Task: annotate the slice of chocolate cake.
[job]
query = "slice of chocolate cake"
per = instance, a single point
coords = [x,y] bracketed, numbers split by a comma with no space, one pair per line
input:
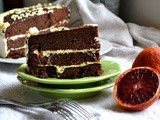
[15,23]
[64,53]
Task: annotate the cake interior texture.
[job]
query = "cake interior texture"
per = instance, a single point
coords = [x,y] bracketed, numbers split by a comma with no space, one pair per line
[65,53]
[15,23]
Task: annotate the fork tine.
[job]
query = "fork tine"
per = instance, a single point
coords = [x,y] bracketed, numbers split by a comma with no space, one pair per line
[80,110]
[75,107]
[63,112]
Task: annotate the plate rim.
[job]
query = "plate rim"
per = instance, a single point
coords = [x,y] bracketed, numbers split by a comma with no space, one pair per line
[69,91]
[81,93]
[68,81]
[108,47]
[20,60]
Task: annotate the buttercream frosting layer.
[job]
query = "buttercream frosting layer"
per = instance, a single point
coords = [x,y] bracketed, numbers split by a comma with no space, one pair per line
[61,69]
[52,52]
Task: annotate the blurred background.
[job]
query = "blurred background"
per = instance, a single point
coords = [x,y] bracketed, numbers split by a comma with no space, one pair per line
[142,12]
[1,6]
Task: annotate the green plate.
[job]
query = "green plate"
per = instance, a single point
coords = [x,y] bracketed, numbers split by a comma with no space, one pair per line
[79,93]
[110,68]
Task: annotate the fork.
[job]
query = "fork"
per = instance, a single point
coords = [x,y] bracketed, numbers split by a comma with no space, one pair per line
[66,108]
[75,108]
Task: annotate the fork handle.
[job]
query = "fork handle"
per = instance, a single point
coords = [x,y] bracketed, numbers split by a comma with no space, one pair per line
[6,101]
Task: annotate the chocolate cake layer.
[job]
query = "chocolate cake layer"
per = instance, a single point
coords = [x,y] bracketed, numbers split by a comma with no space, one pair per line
[62,59]
[58,18]
[16,53]
[13,44]
[75,72]
[79,38]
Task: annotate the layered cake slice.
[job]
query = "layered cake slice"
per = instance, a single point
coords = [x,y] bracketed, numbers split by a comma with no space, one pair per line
[64,52]
[15,23]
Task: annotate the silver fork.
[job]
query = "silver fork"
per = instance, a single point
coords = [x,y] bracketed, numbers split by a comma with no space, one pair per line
[75,108]
[66,108]
[58,109]
[51,106]
[64,113]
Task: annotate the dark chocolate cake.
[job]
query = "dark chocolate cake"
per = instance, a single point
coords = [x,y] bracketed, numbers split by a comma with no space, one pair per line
[64,52]
[15,23]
